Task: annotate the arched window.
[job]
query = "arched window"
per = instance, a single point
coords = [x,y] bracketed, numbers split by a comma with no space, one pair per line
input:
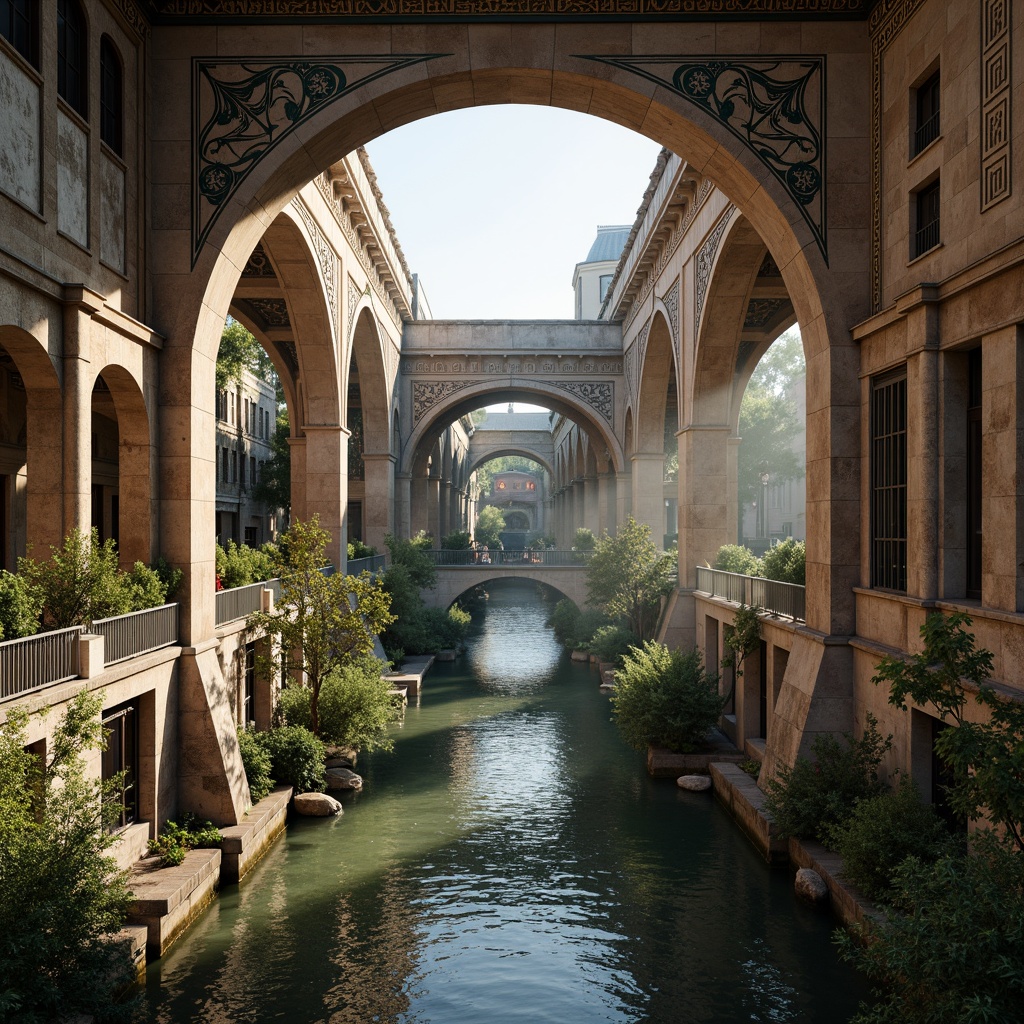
[111,96]
[72,79]
[19,25]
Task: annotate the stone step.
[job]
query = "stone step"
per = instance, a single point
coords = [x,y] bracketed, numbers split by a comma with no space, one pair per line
[243,844]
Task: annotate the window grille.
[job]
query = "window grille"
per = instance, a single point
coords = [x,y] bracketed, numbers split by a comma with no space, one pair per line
[927,235]
[72,80]
[111,97]
[120,726]
[889,482]
[19,25]
[926,130]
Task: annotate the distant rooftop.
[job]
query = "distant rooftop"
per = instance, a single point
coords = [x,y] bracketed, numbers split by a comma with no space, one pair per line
[609,242]
[515,421]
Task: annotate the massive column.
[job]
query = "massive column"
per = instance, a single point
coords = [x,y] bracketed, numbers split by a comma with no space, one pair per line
[327,485]
[403,505]
[649,492]
[704,497]
[379,497]
[606,502]
[77,415]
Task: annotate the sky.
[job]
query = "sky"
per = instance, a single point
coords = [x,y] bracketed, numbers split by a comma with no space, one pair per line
[494,206]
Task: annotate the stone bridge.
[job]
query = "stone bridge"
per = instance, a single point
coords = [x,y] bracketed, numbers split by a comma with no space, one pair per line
[455,580]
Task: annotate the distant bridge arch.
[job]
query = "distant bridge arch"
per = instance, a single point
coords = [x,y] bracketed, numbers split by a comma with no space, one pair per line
[454,581]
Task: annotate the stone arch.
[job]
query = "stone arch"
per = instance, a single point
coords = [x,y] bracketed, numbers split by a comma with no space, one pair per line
[499,453]
[32,491]
[625,88]
[136,463]
[373,383]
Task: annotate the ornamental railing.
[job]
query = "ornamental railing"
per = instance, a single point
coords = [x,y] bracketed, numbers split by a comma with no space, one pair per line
[524,557]
[34,661]
[372,563]
[239,602]
[770,595]
[127,636]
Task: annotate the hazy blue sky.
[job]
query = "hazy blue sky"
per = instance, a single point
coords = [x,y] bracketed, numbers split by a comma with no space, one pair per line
[494,206]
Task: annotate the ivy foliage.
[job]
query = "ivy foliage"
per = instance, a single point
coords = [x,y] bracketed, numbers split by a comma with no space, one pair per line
[986,758]
[665,698]
[61,895]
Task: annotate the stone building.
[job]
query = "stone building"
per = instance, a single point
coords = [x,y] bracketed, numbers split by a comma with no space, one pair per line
[168,163]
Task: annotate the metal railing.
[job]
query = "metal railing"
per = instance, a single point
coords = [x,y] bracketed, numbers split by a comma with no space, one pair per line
[770,595]
[34,661]
[239,602]
[372,563]
[127,636]
[525,557]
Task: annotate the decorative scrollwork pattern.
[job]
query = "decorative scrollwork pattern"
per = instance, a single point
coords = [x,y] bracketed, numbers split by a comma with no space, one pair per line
[705,263]
[243,108]
[774,106]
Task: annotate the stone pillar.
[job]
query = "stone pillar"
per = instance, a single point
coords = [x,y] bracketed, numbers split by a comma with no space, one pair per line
[44,446]
[78,383]
[403,505]
[419,514]
[1002,461]
[434,509]
[923,474]
[379,498]
[297,447]
[606,503]
[732,489]
[623,498]
[327,485]
[703,498]
[591,505]
[649,492]
[455,515]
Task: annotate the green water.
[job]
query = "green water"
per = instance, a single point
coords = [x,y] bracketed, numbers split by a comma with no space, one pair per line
[509,862]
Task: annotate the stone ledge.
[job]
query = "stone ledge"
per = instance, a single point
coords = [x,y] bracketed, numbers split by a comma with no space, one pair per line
[243,844]
[849,905]
[664,764]
[169,899]
[738,792]
[411,673]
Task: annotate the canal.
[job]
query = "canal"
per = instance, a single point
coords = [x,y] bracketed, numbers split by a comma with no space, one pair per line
[510,861]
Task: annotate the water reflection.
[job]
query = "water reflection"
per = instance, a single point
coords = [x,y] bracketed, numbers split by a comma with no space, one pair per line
[509,862]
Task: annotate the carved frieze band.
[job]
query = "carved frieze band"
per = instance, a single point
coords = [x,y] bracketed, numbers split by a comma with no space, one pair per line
[242,108]
[671,302]
[448,10]
[887,21]
[995,102]
[326,257]
[775,107]
[705,264]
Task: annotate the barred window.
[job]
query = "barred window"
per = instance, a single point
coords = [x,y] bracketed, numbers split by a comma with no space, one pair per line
[19,25]
[974,489]
[72,80]
[889,482]
[111,97]
[926,129]
[927,208]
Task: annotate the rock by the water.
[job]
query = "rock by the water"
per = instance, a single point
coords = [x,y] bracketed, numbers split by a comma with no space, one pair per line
[339,762]
[694,783]
[810,886]
[607,686]
[343,778]
[445,654]
[580,656]
[316,805]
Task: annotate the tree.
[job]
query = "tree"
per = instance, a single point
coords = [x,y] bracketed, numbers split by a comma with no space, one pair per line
[489,525]
[627,577]
[769,425]
[328,620]
[61,896]
[986,758]
[274,487]
[240,351]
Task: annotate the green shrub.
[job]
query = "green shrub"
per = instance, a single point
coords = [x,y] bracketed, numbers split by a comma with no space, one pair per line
[737,558]
[357,549]
[881,832]
[256,762]
[19,607]
[812,796]
[584,540]
[356,707]
[612,643]
[457,540]
[296,756]
[563,619]
[952,948]
[665,698]
[175,840]
[409,554]
[171,577]
[146,588]
[785,562]
[238,565]
[292,708]
[589,622]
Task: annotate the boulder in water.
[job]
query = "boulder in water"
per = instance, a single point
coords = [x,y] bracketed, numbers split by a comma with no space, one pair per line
[694,783]
[343,778]
[316,805]
[810,886]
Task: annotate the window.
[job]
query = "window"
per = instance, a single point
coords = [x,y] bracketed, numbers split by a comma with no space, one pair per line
[974,473]
[121,728]
[19,25]
[252,470]
[72,80]
[111,97]
[604,282]
[926,126]
[889,482]
[927,206]
[224,473]
[248,715]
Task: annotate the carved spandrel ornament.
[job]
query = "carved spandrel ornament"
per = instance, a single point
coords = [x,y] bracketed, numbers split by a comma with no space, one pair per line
[775,106]
[705,264]
[241,109]
[326,257]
